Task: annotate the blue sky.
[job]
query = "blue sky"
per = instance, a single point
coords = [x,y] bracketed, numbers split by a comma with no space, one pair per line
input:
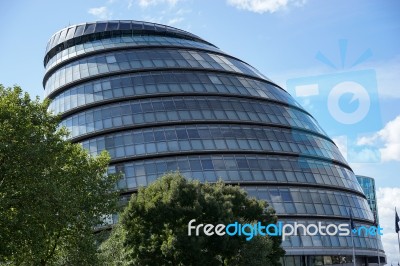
[282,39]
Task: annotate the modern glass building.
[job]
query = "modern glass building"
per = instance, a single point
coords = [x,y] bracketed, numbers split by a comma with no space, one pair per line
[368,186]
[161,99]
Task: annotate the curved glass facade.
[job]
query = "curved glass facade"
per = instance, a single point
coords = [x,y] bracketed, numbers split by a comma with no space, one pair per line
[160,99]
[123,42]
[199,138]
[185,109]
[165,82]
[255,168]
[147,58]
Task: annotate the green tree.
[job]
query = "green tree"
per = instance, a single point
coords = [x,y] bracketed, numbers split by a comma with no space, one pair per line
[52,193]
[153,229]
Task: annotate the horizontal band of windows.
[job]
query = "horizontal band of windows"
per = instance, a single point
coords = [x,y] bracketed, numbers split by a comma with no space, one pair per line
[294,255]
[50,71]
[239,169]
[211,137]
[310,201]
[167,147]
[88,48]
[136,121]
[79,109]
[280,199]
[128,190]
[296,184]
[108,63]
[325,219]
[88,136]
[115,33]
[82,81]
[141,85]
[166,154]
[108,29]
[179,109]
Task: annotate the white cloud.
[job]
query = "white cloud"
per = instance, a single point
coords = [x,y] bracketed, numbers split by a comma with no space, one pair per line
[341,143]
[130,4]
[171,16]
[363,155]
[100,12]
[367,140]
[387,75]
[355,154]
[263,6]
[388,198]
[175,21]
[159,19]
[146,3]
[383,145]
[387,140]
[182,11]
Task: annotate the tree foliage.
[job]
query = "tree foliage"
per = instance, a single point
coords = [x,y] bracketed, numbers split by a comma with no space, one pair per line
[52,193]
[153,229]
